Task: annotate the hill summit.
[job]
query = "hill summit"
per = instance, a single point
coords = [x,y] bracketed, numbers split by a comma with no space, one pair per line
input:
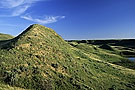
[40,59]
[35,58]
[36,35]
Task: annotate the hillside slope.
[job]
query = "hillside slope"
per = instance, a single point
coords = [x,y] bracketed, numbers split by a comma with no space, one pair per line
[5,36]
[40,59]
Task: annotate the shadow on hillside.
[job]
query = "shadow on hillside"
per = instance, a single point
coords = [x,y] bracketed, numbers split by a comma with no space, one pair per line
[126,63]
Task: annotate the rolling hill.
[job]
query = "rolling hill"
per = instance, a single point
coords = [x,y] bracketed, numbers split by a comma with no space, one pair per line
[5,36]
[39,59]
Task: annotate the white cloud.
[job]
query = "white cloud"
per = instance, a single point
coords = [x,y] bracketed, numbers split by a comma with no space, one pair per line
[20,10]
[10,3]
[45,20]
[15,3]
[18,6]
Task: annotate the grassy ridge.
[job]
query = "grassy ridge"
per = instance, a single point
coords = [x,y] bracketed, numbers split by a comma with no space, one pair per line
[40,59]
[5,36]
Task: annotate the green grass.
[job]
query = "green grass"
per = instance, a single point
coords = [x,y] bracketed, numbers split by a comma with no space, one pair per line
[108,53]
[39,59]
[5,36]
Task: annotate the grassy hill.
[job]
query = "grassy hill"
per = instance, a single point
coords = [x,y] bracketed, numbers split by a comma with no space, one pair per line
[5,36]
[39,59]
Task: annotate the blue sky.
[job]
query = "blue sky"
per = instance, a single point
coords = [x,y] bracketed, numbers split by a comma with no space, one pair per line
[71,19]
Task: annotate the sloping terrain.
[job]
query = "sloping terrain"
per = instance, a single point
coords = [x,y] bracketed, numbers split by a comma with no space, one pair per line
[5,36]
[39,59]
[113,51]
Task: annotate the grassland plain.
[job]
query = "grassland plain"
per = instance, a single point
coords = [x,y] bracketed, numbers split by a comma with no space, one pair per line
[39,59]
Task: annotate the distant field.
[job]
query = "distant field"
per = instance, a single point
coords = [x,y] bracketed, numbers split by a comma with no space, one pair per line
[5,36]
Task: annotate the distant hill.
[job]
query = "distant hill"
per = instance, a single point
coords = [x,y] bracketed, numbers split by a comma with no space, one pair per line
[5,36]
[115,42]
[39,59]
